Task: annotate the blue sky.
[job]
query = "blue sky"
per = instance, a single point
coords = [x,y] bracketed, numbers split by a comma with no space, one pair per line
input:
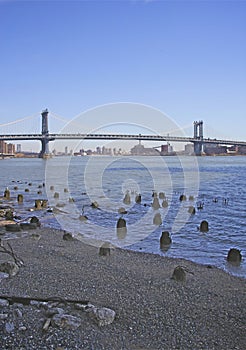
[186,58]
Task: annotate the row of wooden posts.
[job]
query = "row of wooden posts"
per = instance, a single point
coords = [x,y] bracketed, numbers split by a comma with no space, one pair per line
[234,255]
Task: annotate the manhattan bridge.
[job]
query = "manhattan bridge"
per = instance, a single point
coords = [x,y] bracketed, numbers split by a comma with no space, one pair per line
[45,137]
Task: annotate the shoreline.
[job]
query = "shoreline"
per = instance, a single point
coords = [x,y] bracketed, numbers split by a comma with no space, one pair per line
[153,311]
[177,154]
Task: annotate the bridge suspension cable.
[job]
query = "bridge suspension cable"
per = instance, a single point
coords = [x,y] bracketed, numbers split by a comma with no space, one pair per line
[178,129]
[19,120]
[75,122]
[69,124]
[57,117]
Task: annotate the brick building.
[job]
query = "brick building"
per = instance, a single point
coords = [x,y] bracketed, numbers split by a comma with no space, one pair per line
[7,148]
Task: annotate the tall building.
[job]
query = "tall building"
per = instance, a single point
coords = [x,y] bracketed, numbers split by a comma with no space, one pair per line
[18,148]
[11,148]
[3,147]
[98,150]
[7,148]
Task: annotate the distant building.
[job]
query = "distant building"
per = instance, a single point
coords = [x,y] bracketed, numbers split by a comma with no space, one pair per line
[232,150]
[140,150]
[242,150]
[18,148]
[214,149]
[89,152]
[106,151]
[11,148]
[3,147]
[7,148]
[81,152]
[189,149]
[166,149]
[98,150]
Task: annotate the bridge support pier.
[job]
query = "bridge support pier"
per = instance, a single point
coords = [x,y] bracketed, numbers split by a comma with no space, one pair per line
[45,153]
[198,148]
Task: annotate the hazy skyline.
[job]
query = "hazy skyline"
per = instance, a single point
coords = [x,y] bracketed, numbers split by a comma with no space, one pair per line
[186,59]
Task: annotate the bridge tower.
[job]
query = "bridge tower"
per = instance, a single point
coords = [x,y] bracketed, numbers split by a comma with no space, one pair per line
[45,153]
[198,137]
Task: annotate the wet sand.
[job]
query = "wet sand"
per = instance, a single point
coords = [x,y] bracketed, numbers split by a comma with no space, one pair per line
[153,311]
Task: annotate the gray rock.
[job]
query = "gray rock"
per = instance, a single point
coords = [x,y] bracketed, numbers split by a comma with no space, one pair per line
[68,237]
[66,321]
[87,308]
[46,324]
[4,302]
[39,304]
[3,275]
[9,215]
[12,227]
[102,316]
[9,327]
[36,236]
[179,274]
[3,316]
[54,311]
[18,313]
[28,226]
[9,267]
[35,220]
[82,307]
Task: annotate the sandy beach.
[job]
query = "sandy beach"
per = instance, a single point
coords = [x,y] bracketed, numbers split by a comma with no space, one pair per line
[152,310]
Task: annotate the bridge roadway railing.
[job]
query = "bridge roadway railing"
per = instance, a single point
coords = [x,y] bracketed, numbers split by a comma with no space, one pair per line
[78,136]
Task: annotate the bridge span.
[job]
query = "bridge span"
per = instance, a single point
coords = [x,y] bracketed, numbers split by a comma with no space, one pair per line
[45,137]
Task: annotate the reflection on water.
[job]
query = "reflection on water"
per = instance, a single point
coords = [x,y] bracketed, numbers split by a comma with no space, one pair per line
[105,180]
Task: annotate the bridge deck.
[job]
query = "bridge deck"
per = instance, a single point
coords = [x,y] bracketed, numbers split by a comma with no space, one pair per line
[78,136]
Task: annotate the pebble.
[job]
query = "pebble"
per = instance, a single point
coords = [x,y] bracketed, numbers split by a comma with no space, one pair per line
[3,316]
[4,302]
[66,321]
[18,313]
[9,327]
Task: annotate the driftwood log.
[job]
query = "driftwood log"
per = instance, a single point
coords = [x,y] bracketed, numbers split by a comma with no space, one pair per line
[27,300]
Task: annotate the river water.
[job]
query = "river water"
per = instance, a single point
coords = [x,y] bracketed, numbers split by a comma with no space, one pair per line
[216,183]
